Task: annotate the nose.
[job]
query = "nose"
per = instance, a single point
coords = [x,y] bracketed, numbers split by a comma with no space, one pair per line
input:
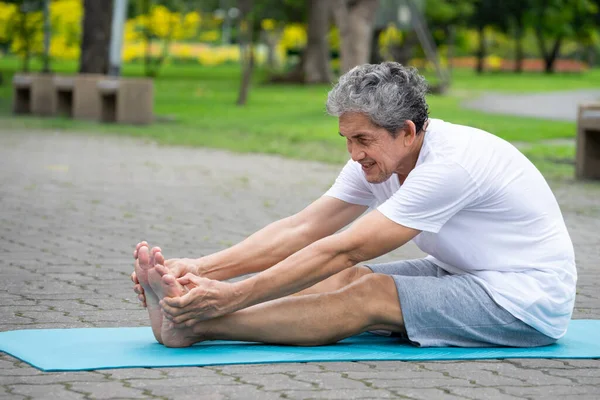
[356,153]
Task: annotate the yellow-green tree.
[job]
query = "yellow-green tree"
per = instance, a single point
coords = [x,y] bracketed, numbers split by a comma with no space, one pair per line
[158,23]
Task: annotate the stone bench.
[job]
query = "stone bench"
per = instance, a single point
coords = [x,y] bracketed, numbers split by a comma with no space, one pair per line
[128,101]
[587,160]
[92,97]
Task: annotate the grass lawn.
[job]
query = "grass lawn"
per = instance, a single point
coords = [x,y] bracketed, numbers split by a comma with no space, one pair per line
[197,106]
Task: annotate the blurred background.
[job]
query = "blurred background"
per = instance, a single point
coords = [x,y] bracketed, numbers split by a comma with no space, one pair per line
[253,75]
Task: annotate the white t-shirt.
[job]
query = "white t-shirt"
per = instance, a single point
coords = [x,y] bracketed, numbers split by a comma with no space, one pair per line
[483,209]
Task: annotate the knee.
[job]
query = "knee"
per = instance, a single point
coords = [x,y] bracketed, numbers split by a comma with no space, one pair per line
[353,274]
[377,295]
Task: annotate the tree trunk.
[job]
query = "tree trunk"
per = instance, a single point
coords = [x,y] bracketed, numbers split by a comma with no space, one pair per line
[519,47]
[548,56]
[316,55]
[481,52]
[46,57]
[451,45]
[549,61]
[246,49]
[95,42]
[376,57]
[355,19]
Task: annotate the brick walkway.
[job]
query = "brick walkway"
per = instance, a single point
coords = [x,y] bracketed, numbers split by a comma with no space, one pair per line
[72,208]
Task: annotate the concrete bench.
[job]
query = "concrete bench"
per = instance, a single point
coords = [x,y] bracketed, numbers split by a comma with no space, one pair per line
[34,94]
[86,96]
[587,160]
[127,101]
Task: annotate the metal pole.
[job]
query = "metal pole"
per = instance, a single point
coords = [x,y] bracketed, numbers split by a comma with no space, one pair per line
[116,37]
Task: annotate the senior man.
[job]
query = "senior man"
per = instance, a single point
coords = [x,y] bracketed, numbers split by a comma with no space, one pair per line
[500,268]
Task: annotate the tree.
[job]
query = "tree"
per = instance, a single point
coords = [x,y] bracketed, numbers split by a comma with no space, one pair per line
[163,22]
[486,13]
[315,66]
[246,48]
[95,44]
[517,19]
[444,17]
[355,19]
[556,20]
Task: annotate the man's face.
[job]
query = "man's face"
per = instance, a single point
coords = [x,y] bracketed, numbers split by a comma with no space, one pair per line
[373,147]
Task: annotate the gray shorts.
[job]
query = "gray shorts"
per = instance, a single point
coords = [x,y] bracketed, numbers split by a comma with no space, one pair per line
[441,309]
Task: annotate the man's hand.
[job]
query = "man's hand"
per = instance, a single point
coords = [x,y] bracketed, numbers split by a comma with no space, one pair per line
[208,299]
[178,267]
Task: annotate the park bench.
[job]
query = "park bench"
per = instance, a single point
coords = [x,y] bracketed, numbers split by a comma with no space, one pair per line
[128,101]
[34,94]
[93,97]
[587,160]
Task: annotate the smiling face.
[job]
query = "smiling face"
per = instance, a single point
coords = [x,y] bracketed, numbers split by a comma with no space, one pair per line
[376,150]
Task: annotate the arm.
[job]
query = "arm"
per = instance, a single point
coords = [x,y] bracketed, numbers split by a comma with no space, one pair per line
[280,239]
[370,237]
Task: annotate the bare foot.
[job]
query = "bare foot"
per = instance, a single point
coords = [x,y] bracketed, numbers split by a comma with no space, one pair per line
[165,285]
[143,267]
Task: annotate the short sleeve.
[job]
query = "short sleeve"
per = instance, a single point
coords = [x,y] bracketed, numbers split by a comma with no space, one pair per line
[431,195]
[351,187]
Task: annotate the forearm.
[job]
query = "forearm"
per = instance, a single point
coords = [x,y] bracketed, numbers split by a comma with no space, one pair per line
[258,252]
[297,272]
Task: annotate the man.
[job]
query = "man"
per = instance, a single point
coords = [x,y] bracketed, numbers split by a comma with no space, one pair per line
[500,269]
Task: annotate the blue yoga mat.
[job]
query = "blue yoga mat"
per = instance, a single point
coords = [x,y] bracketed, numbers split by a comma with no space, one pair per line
[102,348]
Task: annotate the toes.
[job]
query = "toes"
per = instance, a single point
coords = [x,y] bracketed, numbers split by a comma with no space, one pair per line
[134,278]
[158,257]
[155,249]
[161,269]
[169,280]
[137,248]
[144,258]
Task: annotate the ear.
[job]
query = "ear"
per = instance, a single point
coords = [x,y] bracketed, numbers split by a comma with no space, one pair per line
[410,133]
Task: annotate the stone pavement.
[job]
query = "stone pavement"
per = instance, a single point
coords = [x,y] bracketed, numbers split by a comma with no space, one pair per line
[73,207]
[561,105]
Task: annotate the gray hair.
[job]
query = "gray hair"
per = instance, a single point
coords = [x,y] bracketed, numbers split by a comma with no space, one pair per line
[388,93]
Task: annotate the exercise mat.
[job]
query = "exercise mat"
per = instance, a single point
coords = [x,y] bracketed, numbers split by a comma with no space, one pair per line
[102,348]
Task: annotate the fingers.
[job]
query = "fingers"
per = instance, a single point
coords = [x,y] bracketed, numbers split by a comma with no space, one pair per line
[182,319]
[190,278]
[173,305]
[138,289]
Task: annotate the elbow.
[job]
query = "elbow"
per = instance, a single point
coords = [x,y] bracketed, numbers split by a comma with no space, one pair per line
[339,247]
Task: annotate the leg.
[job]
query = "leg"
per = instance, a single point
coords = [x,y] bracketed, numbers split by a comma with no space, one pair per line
[369,303]
[337,281]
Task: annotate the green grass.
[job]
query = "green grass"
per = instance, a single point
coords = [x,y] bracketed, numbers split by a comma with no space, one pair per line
[197,108]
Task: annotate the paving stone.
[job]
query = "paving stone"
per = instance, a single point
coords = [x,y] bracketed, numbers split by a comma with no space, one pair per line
[268,368]
[273,382]
[239,391]
[419,383]
[427,394]
[482,393]
[344,366]
[329,380]
[133,373]
[339,394]
[45,392]
[396,375]
[106,390]
[555,390]
[49,378]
